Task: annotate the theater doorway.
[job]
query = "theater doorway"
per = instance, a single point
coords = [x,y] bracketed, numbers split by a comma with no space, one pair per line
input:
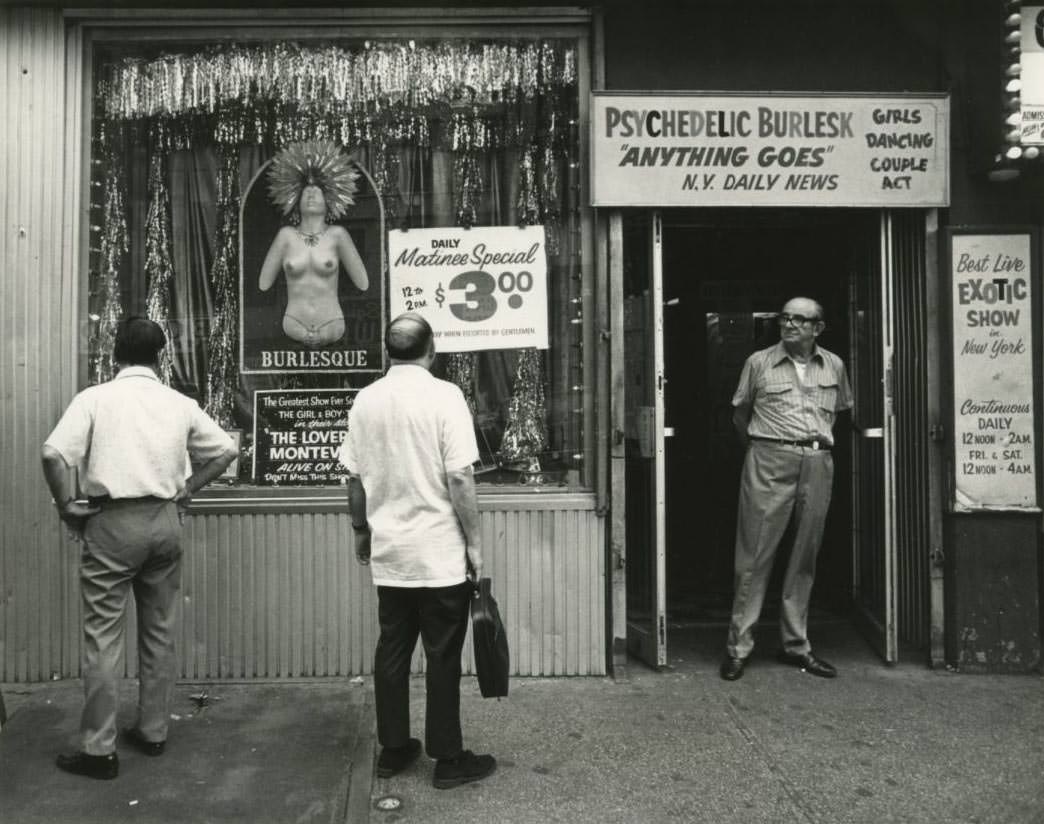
[701,291]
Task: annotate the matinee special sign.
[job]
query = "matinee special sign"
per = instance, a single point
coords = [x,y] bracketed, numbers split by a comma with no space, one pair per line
[773,150]
[994,451]
[479,288]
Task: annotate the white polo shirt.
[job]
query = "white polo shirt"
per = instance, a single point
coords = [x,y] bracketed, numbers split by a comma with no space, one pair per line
[405,432]
[132,436]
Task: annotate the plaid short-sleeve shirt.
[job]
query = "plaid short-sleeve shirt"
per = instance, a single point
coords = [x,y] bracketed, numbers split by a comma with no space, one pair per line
[783,406]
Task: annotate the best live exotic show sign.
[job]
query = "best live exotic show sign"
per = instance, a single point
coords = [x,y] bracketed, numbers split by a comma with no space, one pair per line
[297,433]
[994,463]
[772,150]
[479,288]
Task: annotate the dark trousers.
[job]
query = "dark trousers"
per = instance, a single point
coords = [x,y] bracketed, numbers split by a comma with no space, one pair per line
[440,616]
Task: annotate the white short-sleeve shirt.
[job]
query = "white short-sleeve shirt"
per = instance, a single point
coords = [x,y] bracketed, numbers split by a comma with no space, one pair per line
[133,437]
[406,431]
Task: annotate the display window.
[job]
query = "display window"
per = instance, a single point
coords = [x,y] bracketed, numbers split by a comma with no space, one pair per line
[272,203]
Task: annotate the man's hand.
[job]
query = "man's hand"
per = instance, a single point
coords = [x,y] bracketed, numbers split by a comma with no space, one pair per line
[74,515]
[474,564]
[362,547]
[182,498]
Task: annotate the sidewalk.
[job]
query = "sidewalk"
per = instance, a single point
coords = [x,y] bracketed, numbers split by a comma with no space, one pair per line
[267,753]
[878,744]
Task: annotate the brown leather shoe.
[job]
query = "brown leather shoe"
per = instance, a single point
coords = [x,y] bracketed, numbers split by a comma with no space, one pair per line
[133,736]
[732,668]
[92,766]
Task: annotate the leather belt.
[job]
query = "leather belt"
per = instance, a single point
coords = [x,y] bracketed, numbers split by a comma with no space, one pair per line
[815,444]
[105,500]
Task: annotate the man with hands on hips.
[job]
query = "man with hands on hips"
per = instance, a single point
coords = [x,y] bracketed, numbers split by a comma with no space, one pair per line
[411,494]
[784,411]
[144,449]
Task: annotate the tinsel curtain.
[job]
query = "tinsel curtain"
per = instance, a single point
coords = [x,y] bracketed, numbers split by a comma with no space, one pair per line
[110,254]
[525,435]
[159,270]
[223,379]
[333,83]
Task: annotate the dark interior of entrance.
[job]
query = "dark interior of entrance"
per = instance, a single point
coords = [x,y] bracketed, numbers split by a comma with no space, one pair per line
[725,276]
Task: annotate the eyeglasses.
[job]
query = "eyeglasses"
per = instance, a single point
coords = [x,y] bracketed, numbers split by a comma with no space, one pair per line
[795,320]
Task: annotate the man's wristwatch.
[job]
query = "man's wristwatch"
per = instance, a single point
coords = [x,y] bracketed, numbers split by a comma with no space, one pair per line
[363,528]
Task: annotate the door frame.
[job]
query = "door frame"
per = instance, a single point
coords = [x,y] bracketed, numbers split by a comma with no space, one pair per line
[646,639]
[882,632]
[613,248]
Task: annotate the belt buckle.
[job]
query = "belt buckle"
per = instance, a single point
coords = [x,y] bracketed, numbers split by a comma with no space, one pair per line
[815,444]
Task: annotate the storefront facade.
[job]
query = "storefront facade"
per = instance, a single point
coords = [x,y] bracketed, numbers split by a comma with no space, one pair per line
[142,177]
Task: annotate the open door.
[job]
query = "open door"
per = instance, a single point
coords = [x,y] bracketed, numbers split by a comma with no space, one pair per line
[644,439]
[871,294]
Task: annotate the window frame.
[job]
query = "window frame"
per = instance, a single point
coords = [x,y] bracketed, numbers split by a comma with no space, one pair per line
[93,27]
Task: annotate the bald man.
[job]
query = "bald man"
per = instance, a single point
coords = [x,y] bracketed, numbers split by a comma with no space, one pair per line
[411,492]
[784,411]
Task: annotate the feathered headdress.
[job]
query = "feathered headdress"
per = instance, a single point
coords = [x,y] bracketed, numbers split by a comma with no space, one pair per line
[321,163]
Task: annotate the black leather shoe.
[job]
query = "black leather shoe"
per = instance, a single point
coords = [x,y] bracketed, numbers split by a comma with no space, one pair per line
[394,760]
[92,766]
[133,736]
[809,663]
[452,772]
[732,668]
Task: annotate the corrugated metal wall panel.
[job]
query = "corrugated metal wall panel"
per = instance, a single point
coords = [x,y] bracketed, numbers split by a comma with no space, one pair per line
[281,596]
[34,339]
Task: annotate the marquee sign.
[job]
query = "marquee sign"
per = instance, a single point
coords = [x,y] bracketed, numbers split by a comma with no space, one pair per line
[689,149]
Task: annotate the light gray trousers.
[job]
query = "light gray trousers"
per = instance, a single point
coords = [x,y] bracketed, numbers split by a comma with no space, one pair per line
[778,482]
[132,543]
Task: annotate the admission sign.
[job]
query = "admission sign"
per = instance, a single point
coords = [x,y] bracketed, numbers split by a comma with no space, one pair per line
[775,150]
[479,288]
[1031,58]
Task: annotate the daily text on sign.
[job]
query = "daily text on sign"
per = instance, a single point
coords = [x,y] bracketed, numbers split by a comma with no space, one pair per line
[479,288]
[703,150]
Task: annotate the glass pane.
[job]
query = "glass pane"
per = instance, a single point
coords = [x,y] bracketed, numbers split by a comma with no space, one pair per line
[190,197]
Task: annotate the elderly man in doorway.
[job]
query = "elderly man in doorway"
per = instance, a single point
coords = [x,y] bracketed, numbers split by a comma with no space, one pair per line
[785,407]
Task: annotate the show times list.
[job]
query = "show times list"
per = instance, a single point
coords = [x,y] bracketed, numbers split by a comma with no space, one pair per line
[297,434]
[996,447]
[993,403]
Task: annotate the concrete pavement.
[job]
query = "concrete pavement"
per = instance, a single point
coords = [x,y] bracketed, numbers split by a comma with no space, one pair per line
[266,753]
[878,744]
